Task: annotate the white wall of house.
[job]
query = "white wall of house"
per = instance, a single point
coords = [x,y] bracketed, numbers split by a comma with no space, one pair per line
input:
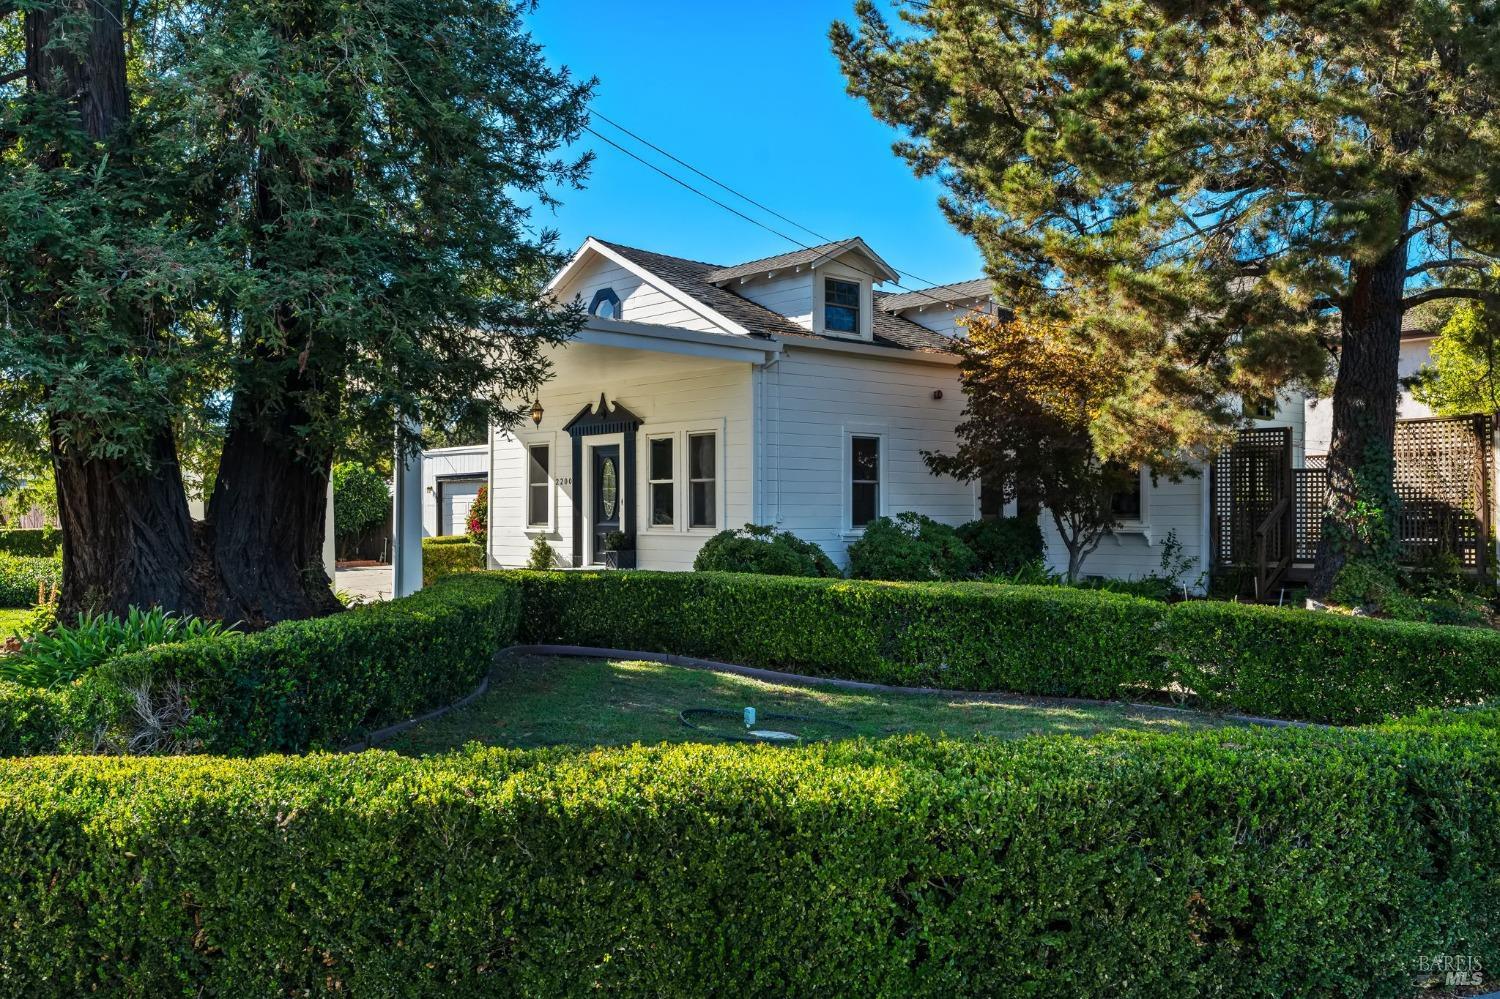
[1414,354]
[788,294]
[942,319]
[640,301]
[813,400]
[674,396]
[449,479]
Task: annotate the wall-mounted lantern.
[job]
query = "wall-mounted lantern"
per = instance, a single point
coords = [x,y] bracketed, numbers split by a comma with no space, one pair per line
[536,412]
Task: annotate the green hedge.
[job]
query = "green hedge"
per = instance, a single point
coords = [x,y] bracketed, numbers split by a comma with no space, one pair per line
[1027,639]
[32,720]
[449,554]
[41,541]
[307,684]
[975,636]
[22,575]
[1228,863]
[1326,667]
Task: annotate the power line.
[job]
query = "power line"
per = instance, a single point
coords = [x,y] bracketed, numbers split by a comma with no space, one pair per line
[744,197]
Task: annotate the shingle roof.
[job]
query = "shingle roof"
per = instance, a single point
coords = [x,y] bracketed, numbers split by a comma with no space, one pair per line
[959,291]
[695,278]
[776,263]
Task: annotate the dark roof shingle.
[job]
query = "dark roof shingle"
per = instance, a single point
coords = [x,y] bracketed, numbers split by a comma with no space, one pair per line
[694,277]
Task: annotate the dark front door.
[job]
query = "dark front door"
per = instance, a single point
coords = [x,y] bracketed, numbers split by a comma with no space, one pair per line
[608,488]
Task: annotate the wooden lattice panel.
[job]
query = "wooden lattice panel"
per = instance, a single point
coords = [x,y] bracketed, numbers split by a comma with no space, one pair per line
[1249,479]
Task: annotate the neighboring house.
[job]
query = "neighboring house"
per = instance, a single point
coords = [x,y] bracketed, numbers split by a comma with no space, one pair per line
[1416,351]
[451,477]
[792,391]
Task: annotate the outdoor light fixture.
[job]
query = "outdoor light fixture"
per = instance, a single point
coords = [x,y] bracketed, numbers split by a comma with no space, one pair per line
[536,412]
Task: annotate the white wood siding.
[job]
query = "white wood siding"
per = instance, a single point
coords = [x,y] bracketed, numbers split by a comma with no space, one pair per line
[640,302]
[1319,412]
[940,319]
[442,462]
[670,394]
[788,294]
[814,399]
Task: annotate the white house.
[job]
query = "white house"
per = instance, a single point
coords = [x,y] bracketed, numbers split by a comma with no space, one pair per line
[699,397]
[792,391]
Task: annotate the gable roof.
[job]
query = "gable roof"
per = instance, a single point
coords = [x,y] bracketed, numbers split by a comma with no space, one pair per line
[810,256]
[694,277]
[939,294]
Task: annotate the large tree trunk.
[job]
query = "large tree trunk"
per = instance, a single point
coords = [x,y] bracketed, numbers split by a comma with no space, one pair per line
[127,535]
[268,510]
[1360,516]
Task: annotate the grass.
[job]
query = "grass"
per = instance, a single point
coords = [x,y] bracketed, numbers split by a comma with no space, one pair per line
[542,701]
[10,620]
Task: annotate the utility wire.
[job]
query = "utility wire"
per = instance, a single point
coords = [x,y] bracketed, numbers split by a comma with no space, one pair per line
[744,197]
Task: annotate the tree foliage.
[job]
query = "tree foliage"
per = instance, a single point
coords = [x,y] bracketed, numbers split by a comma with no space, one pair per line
[1464,374]
[361,498]
[1034,393]
[1212,197]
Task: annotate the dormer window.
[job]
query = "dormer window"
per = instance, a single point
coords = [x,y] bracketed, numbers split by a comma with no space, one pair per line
[840,306]
[606,304]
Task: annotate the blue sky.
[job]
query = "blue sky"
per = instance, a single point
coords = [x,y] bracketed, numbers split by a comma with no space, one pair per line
[750,94]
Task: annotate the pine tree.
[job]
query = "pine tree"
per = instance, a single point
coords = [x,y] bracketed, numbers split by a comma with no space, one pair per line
[1216,198]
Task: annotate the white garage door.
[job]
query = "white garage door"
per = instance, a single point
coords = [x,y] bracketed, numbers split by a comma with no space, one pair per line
[453,511]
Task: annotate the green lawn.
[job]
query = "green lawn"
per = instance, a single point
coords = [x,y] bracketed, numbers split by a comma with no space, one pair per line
[536,701]
[10,620]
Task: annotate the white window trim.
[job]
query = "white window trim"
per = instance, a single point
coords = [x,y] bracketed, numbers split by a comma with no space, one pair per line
[1142,524]
[527,441]
[681,494]
[866,305]
[846,485]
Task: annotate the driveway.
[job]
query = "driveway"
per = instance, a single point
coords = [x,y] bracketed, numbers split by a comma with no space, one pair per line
[370,583]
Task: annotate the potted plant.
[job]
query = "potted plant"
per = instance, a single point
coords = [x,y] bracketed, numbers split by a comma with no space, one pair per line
[619,551]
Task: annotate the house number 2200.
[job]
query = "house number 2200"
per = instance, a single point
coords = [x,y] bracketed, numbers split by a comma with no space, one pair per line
[565,480]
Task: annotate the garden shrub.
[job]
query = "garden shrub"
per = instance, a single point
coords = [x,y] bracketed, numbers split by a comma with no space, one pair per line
[361,498]
[447,555]
[973,636]
[36,542]
[308,684]
[1004,545]
[1225,863]
[542,556]
[912,547]
[32,719]
[765,550]
[22,577]
[62,653]
[1326,667]
[478,523]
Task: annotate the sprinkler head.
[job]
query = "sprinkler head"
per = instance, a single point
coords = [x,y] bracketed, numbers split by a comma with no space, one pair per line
[749,717]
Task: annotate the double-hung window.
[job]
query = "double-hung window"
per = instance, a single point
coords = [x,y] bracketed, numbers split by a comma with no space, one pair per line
[840,306]
[662,480]
[538,485]
[703,476]
[864,480]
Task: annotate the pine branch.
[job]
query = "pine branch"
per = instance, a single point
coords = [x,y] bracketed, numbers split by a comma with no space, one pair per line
[1434,294]
[12,77]
[1450,262]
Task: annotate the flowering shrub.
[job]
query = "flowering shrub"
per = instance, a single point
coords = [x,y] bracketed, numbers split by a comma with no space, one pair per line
[479,517]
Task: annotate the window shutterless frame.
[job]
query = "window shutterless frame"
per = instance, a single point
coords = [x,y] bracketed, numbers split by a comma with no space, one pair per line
[841,306]
[661,480]
[538,485]
[703,480]
[864,479]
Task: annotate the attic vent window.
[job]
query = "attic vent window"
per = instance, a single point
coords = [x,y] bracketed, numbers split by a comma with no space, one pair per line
[840,306]
[606,304]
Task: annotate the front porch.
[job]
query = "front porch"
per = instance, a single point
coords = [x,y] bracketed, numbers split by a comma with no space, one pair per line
[1267,507]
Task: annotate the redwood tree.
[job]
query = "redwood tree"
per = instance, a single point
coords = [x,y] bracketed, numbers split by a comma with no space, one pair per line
[337,201]
[1216,198]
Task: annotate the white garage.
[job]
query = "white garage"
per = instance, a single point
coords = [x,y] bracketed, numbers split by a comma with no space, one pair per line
[451,478]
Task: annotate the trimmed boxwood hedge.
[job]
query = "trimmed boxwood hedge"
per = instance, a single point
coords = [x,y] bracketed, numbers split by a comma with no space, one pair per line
[37,542]
[1326,667]
[1229,863]
[1027,639]
[310,684]
[449,554]
[973,636]
[22,575]
[32,720]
